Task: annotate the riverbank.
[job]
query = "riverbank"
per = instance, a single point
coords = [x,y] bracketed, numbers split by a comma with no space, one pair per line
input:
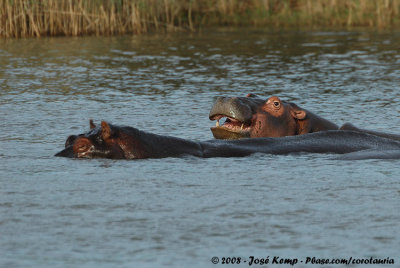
[21,18]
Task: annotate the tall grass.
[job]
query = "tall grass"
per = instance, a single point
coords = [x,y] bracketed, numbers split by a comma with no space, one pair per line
[25,18]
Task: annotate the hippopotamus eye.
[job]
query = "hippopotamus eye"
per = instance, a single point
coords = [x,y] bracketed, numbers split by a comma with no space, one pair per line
[277,104]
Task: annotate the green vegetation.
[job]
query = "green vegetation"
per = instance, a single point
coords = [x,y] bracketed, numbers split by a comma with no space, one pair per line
[25,18]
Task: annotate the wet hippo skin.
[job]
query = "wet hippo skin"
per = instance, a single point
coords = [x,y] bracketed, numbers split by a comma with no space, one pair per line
[351,127]
[121,142]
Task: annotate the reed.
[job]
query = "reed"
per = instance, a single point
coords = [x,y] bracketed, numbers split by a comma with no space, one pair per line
[27,18]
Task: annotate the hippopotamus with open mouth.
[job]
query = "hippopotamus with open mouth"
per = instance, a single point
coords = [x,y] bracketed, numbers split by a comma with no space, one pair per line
[253,117]
[120,142]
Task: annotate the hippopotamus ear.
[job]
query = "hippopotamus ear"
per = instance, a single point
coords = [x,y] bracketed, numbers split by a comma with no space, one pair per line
[105,130]
[297,112]
[92,125]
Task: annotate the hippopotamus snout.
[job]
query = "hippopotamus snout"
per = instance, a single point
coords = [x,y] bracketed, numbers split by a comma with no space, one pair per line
[67,152]
[237,108]
[238,112]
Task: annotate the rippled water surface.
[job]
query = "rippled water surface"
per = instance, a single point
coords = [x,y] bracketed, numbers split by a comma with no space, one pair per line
[180,212]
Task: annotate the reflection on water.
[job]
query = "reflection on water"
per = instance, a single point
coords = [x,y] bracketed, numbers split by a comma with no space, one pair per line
[62,212]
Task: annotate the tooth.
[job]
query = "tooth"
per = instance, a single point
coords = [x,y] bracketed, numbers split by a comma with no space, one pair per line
[217,123]
[241,128]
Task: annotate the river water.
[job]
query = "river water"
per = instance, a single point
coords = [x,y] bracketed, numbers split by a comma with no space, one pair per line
[181,212]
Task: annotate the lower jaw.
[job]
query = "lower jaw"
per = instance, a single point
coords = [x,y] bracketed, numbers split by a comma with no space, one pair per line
[228,134]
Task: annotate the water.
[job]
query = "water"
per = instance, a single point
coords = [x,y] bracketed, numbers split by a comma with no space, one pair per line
[180,212]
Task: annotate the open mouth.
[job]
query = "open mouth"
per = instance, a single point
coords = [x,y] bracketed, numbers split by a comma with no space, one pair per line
[231,123]
[230,128]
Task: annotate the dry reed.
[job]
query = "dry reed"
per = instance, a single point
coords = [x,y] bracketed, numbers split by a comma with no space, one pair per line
[26,18]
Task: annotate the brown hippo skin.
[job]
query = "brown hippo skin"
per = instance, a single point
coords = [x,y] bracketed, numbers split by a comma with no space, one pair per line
[121,142]
[253,117]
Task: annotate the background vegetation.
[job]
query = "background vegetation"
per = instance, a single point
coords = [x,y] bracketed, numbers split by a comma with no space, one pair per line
[25,18]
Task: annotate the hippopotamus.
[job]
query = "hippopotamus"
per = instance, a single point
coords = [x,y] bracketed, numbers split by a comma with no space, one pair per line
[253,117]
[122,142]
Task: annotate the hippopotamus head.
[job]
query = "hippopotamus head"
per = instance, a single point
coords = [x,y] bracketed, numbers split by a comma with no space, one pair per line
[103,141]
[254,117]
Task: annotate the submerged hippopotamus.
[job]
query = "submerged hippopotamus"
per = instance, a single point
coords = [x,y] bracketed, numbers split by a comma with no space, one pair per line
[120,142]
[253,117]
[351,127]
